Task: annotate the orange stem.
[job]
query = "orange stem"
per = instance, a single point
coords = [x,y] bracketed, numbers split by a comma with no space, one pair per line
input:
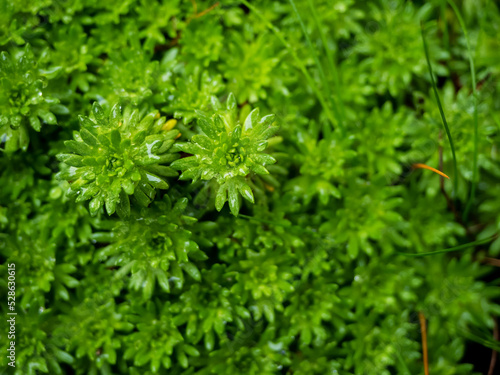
[423,166]
[206,10]
[198,15]
[423,329]
[492,261]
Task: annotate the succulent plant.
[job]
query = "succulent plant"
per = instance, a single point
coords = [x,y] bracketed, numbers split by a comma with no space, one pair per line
[342,237]
[228,152]
[117,155]
[24,100]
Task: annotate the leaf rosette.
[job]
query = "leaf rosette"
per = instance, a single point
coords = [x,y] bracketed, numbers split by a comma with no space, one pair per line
[228,151]
[24,98]
[115,156]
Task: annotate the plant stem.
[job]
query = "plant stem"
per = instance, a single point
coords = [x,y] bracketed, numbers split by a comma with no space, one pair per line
[475,171]
[449,250]
[299,62]
[443,118]
[423,330]
[493,360]
[446,34]
[319,66]
[331,59]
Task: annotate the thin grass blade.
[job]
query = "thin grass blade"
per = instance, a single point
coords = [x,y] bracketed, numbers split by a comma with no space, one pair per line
[475,169]
[443,117]
[451,249]
[318,65]
[299,62]
[330,58]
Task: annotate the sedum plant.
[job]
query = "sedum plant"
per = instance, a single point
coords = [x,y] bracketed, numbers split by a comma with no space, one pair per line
[117,155]
[24,100]
[192,92]
[129,75]
[330,132]
[155,250]
[394,70]
[228,151]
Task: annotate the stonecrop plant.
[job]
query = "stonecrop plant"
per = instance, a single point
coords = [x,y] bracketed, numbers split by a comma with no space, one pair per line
[249,187]
[24,99]
[117,155]
[228,151]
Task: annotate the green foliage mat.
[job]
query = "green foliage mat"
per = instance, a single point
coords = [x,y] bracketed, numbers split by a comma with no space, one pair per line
[201,187]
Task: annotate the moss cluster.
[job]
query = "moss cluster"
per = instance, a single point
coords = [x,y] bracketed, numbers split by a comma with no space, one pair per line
[126,126]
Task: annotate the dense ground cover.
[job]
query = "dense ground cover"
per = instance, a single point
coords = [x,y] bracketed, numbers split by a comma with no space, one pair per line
[201,187]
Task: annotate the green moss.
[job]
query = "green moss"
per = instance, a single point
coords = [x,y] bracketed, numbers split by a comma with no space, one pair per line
[126,126]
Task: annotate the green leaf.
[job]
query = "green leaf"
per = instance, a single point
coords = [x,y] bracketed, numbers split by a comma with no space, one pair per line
[209,340]
[147,121]
[161,276]
[98,112]
[142,198]
[123,207]
[95,205]
[111,200]
[79,147]
[221,197]
[35,123]
[162,170]
[191,350]
[154,180]
[116,138]
[88,124]
[71,159]
[115,115]
[206,125]
[47,117]
[191,270]
[184,163]
[233,198]
[231,103]
[139,137]
[259,169]
[87,192]
[246,192]
[88,137]
[251,120]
